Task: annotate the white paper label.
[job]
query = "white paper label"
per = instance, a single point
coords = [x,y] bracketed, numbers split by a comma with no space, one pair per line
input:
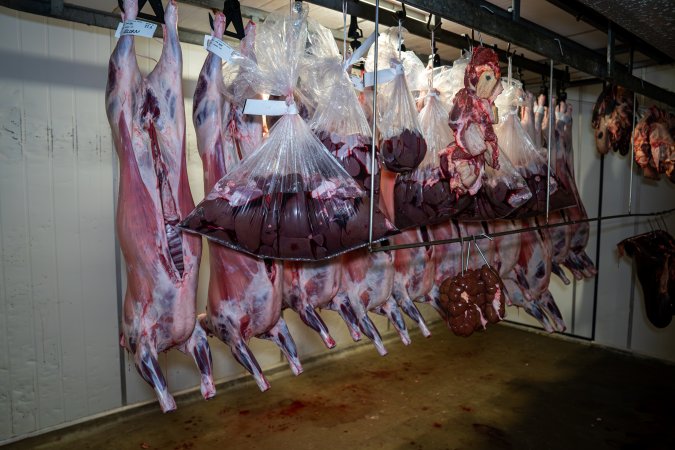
[360,52]
[136,27]
[219,48]
[269,107]
[383,76]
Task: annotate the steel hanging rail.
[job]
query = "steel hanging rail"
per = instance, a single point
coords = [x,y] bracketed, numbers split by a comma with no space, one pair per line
[383,248]
[492,20]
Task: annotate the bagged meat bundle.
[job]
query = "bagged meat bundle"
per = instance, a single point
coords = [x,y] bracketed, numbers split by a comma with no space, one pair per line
[401,143]
[503,191]
[654,144]
[473,299]
[515,143]
[612,119]
[423,196]
[450,80]
[289,199]
[340,123]
[471,118]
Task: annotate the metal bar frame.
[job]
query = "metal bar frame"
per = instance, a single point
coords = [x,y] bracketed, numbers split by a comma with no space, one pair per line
[382,248]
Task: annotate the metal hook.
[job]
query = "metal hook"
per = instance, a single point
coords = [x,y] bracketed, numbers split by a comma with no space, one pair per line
[435,27]
[480,251]
[468,253]
[488,9]
[480,38]
[469,41]
[461,253]
[560,46]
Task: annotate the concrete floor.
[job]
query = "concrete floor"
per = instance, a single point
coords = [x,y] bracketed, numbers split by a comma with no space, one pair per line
[501,389]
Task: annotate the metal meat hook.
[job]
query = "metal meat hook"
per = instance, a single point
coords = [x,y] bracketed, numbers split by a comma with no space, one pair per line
[232,12]
[157,8]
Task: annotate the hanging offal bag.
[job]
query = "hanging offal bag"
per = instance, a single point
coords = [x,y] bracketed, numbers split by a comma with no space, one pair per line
[340,123]
[289,199]
[515,143]
[423,196]
[401,143]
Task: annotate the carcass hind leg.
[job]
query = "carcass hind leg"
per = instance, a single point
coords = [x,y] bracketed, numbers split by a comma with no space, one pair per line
[547,303]
[243,354]
[390,310]
[198,347]
[309,316]
[432,298]
[147,365]
[557,270]
[411,311]
[341,305]
[368,328]
[280,335]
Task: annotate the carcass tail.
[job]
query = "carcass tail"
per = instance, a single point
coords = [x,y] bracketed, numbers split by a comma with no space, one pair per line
[280,335]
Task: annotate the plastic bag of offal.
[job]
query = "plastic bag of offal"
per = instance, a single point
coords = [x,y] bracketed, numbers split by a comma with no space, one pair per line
[290,199]
[423,196]
[515,143]
[340,124]
[401,143]
[503,191]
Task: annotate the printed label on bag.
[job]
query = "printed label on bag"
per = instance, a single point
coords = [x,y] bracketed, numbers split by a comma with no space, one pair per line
[135,27]
[258,107]
[219,48]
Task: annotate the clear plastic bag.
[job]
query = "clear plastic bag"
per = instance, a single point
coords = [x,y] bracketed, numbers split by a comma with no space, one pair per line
[449,80]
[515,143]
[401,143]
[423,196]
[503,191]
[289,199]
[341,125]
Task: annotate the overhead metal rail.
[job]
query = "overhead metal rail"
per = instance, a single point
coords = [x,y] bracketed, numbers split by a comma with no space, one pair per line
[57,9]
[492,20]
[600,22]
[476,14]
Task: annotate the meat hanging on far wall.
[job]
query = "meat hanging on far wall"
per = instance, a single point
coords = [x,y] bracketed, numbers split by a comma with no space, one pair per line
[612,119]
[147,118]
[654,256]
[655,144]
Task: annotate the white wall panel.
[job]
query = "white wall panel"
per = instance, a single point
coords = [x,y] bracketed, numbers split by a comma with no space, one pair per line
[57,246]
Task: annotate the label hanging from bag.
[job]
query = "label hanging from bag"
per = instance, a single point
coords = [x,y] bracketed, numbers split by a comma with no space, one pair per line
[135,27]
[219,48]
[360,52]
[258,107]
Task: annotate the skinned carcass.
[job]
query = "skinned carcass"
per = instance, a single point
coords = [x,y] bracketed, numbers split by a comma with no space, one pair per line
[245,293]
[612,119]
[147,119]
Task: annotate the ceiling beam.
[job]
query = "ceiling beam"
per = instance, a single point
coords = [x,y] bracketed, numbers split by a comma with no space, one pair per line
[492,20]
[600,22]
[366,11]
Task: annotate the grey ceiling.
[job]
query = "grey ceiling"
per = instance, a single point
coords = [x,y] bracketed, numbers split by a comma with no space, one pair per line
[651,20]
